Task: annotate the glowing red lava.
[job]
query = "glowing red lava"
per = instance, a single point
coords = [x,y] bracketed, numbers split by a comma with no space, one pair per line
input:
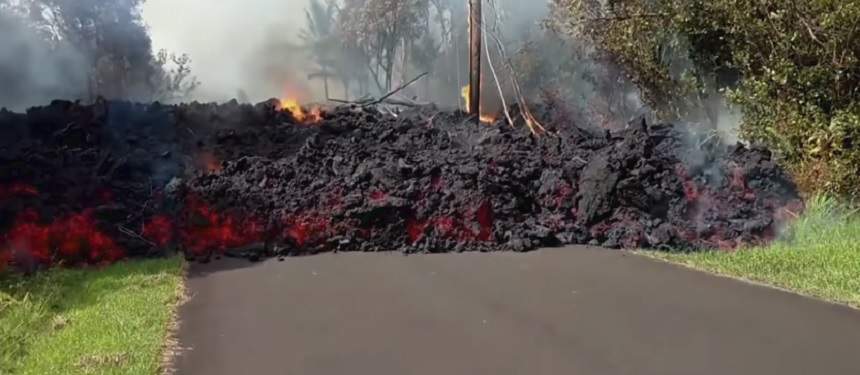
[205,230]
[73,239]
[450,227]
[307,230]
[159,230]
[16,190]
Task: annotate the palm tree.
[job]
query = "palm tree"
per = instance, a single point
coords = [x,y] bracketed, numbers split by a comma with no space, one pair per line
[320,39]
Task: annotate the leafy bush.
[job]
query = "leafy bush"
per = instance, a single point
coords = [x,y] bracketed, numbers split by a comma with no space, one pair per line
[793,67]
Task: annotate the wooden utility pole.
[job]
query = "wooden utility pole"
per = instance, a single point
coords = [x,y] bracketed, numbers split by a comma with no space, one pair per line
[475,25]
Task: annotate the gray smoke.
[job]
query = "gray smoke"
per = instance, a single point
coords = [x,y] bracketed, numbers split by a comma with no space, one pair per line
[253,47]
[33,71]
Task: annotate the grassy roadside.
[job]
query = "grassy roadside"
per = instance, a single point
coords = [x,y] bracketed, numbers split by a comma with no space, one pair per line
[98,321]
[819,256]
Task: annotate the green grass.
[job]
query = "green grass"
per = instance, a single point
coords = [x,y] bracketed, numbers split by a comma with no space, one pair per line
[819,256]
[112,320]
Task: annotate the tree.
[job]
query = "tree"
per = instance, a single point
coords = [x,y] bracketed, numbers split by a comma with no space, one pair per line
[320,40]
[793,67]
[34,70]
[112,38]
[383,30]
[110,33]
[175,82]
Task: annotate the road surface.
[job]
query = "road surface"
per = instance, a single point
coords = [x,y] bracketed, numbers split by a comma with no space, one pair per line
[565,311]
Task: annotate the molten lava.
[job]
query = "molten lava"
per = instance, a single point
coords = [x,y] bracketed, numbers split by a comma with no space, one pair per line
[73,239]
[17,190]
[475,226]
[159,230]
[307,230]
[206,231]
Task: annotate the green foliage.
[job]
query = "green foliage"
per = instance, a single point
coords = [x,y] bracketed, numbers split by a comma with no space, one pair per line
[88,48]
[97,321]
[793,67]
[818,255]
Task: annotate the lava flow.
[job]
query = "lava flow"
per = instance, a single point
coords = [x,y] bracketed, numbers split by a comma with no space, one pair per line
[208,179]
[68,240]
[204,230]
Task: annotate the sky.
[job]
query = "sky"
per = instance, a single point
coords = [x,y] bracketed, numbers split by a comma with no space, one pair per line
[231,43]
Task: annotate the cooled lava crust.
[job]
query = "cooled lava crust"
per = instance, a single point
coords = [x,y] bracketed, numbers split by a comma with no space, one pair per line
[91,184]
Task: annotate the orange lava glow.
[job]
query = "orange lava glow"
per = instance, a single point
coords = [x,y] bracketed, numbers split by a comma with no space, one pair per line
[209,162]
[72,239]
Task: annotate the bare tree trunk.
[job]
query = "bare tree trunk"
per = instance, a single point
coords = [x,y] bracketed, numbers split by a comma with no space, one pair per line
[475,59]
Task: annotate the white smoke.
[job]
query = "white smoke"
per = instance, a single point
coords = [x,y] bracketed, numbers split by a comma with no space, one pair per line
[235,45]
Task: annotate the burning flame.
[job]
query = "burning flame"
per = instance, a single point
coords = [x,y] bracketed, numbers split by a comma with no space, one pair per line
[485,118]
[313,116]
[293,106]
[465,94]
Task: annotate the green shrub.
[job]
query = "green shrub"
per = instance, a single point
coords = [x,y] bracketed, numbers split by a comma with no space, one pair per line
[793,68]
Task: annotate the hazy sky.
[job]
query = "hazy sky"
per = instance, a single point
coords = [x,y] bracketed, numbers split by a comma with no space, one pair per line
[226,39]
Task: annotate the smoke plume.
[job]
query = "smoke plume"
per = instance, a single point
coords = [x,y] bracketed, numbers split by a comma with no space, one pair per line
[32,71]
[235,45]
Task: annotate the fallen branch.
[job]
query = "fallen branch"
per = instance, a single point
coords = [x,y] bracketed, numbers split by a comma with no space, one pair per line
[385,99]
[398,89]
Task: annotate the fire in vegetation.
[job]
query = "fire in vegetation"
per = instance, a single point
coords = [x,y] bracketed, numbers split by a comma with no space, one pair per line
[91,184]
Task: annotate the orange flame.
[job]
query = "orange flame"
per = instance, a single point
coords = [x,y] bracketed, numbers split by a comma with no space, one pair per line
[313,116]
[488,119]
[466,98]
[293,106]
[464,93]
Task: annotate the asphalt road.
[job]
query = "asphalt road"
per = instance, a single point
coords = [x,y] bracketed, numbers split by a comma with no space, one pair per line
[565,311]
